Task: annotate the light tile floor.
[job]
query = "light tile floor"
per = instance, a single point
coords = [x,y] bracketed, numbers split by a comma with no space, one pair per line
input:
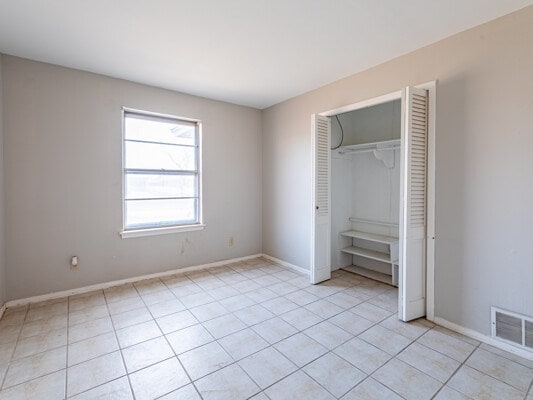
[248,330]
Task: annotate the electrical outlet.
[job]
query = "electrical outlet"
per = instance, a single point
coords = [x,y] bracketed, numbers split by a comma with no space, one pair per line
[74,262]
[231,241]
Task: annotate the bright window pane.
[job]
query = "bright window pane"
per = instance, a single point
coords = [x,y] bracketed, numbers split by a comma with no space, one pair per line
[156,193]
[140,186]
[160,156]
[144,213]
[151,129]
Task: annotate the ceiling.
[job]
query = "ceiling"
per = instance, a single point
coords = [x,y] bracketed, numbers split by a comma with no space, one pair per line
[250,52]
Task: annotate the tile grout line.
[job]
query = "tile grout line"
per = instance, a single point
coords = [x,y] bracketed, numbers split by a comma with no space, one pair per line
[242,293]
[93,358]
[476,348]
[15,347]
[530,391]
[108,312]
[395,357]
[491,376]
[371,375]
[235,362]
[416,341]
[455,372]
[140,296]
[504,354]
[314,380]
[176,355]
[398,353]
[279,296]
[168,343]
[275,315]
[328,350]
[119,349]
[67,345]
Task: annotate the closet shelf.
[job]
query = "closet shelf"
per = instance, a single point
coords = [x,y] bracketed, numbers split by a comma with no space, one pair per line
[368,221]
[374,255]
[391,257]
[368,147]
[368,273]
[370,237]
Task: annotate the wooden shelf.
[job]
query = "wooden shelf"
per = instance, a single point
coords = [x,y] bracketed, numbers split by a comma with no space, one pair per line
[374,255]
[368,273]
[370,237]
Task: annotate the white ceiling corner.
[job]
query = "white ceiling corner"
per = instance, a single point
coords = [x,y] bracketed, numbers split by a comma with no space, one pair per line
[256,53]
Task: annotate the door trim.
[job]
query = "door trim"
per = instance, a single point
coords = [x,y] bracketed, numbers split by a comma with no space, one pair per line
[363,104]
[431,87]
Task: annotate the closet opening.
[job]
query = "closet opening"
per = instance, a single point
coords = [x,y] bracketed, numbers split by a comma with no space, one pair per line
[365,191]
[373,194]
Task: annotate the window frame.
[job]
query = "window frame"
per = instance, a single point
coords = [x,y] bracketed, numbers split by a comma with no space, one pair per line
[150,230]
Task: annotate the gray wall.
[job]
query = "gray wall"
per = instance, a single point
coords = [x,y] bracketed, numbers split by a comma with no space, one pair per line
[483,173]
[370,124]
[62,138]
[2,247]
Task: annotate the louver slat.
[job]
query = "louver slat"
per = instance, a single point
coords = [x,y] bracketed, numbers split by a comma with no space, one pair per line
[418,152]
[322,167]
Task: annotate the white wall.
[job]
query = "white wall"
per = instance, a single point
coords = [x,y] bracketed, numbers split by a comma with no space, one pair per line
[341,207]
[483,165]
[62,138]
[363,187]
[2,246]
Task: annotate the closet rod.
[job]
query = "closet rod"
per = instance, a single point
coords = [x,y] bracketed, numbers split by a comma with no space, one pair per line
[356,151]
[367,221]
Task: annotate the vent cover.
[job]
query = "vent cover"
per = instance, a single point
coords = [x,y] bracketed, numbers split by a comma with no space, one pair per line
[529,334]
[512,328]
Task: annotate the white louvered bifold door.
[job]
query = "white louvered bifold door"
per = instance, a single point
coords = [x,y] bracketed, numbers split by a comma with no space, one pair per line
[321,240]
[412,268]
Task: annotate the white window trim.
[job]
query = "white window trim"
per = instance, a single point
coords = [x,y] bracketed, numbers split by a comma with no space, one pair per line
[151,231]
[161,231]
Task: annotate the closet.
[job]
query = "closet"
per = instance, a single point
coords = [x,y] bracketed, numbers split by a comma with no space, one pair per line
[365,191]
[372,175]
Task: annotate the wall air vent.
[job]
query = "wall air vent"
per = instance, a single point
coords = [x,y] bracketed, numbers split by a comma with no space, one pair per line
[512,328]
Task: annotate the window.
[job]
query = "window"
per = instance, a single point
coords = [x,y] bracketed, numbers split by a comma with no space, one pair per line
[161,173]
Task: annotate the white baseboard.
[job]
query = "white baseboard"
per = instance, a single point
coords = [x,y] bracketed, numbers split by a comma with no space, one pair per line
[286,264]
[484,338]
[439,321]
[105,285]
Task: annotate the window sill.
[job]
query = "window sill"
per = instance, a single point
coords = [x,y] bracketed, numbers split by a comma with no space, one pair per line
[161,231]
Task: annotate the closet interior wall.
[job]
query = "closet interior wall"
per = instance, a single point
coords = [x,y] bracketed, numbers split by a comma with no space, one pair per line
[363,186]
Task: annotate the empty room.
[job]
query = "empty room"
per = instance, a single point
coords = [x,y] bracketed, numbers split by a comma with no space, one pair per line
[266,200]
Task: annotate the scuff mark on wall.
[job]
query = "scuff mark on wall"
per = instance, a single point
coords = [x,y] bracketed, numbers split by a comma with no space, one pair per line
[184,244]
